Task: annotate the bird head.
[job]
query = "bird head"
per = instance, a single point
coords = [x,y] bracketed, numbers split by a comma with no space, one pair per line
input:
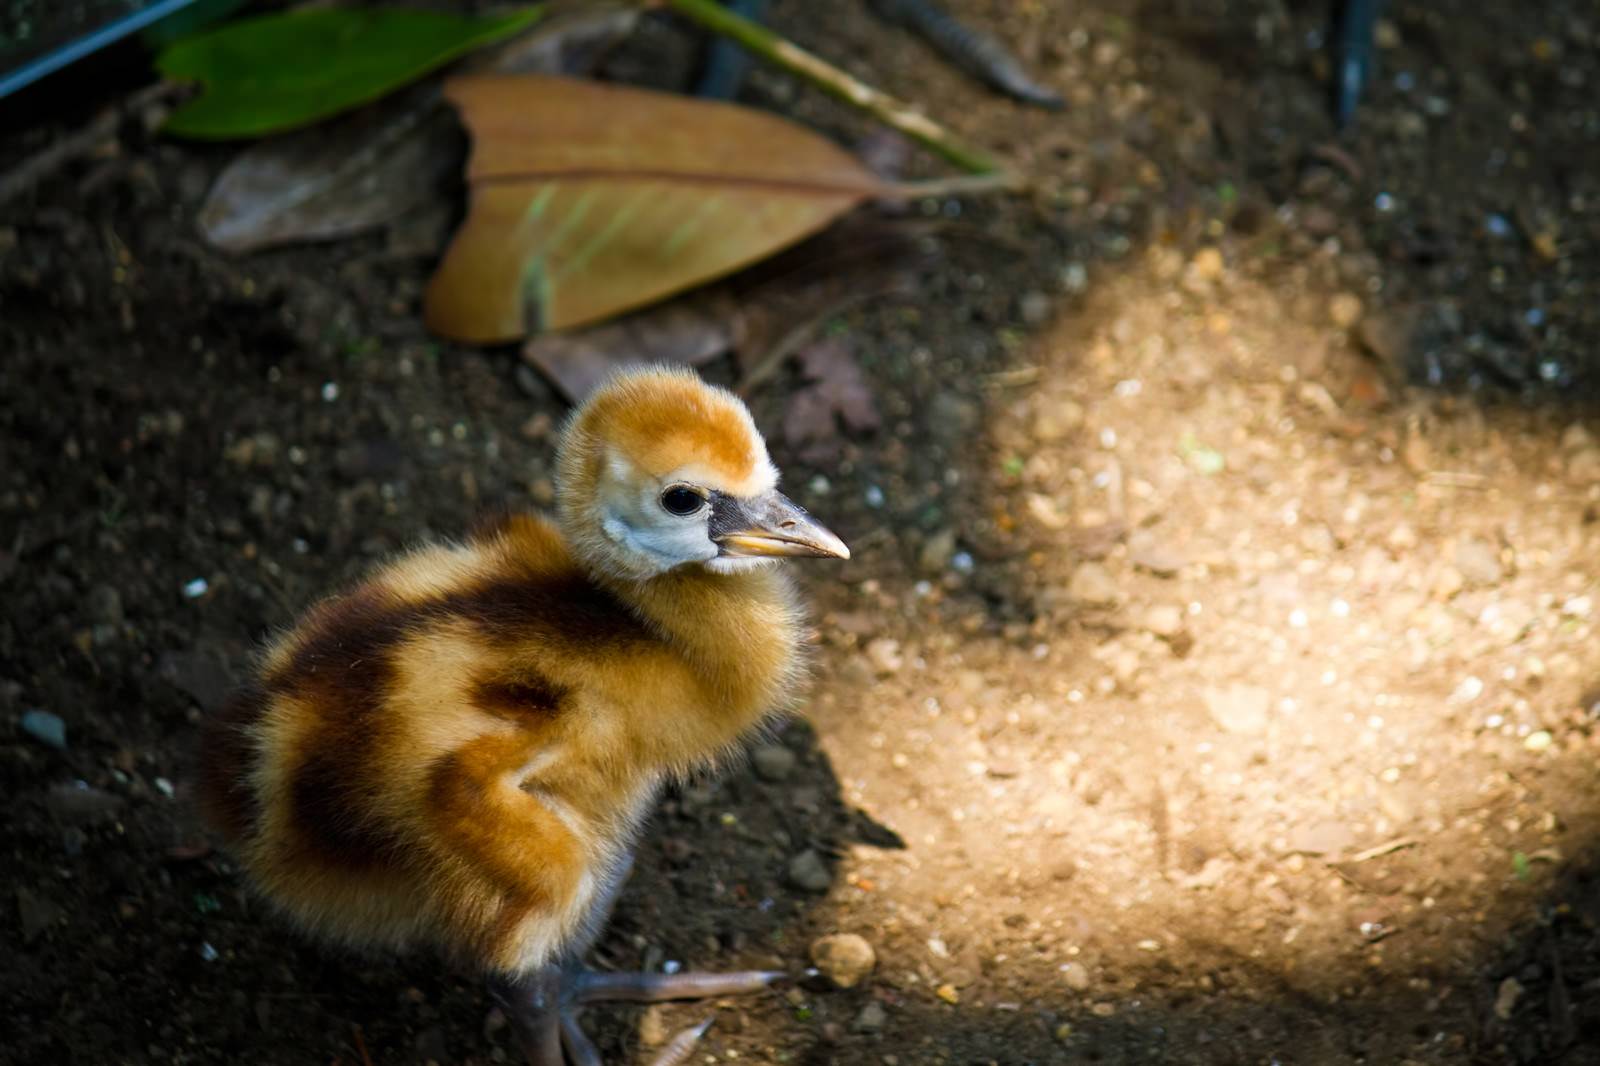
[658,470]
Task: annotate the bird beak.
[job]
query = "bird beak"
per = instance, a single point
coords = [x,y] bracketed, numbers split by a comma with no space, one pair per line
[770,525]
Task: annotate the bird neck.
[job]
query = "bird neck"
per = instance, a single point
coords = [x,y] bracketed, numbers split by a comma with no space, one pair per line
[740,631]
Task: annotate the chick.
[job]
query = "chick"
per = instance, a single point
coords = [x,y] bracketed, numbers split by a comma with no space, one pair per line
[458,754]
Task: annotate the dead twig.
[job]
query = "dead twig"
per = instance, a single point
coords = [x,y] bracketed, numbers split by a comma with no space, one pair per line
[1012,379]
[838,84]
[1453,479]
[1384,849]
[41,165]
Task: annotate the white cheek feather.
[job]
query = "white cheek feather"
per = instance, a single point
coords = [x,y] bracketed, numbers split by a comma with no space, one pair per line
[632,518]
[737,565]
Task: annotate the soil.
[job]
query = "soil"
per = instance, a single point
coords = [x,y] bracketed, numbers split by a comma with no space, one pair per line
[1216,676]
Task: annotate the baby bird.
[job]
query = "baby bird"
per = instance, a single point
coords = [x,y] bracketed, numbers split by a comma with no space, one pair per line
[459,753]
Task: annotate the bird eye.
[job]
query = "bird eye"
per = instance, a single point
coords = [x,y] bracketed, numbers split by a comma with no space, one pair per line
[681,501]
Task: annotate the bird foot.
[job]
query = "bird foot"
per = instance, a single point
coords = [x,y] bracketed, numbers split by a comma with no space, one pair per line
[544,1007]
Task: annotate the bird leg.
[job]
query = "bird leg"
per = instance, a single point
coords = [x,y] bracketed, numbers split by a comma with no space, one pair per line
[543,1007]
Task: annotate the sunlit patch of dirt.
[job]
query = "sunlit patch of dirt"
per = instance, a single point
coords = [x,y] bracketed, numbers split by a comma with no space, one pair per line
[1290,707]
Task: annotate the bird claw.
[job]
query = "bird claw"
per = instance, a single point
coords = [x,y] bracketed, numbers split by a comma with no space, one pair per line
[544,1008]
[679,1048]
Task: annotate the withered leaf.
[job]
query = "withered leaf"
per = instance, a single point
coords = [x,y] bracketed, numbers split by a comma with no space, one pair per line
[837,394]
[589,200]
[692,331]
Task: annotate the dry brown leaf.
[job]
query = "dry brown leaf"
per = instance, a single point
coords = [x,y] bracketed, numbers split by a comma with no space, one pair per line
[589,200]
[837,394]
[692,331]
[763,315]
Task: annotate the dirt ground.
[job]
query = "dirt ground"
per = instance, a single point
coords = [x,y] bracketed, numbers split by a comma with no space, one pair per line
[1216,677]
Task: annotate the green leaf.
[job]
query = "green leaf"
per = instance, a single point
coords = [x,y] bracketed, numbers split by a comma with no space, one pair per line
[1519,865]
[283,71]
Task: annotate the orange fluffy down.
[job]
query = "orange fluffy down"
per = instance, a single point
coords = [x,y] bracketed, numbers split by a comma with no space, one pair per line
[457,752]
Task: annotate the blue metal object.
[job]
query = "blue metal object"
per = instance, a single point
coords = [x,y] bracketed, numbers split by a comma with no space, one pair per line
[91,42]
[1354,55]
[726,62]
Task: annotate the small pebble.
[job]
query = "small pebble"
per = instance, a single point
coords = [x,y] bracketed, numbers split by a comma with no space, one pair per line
[1055,422]
[871,1019]
[1076,976]
[1207,264]
[808,873]
[1538,741]
[1478,562]
[1164,621]
[196,588]
[884,654]
[537,427]
[48,729]
[1091,584]
[1345,310]
[105,605]
[1152,557]
[78,801]
[1035,308]
[1074,277]
[542,491]
[1506,997]
[1448,583]
[1583,466]
[773,762]
[1239,709]
[948,993]
[937,551]
[845,959]
[653,1027]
